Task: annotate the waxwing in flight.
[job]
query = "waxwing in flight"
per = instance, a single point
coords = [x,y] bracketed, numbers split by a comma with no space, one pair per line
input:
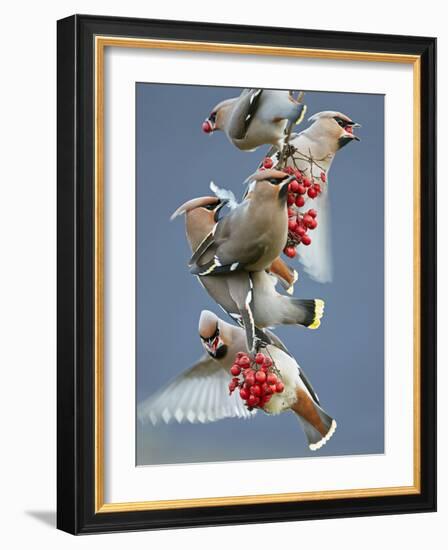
[319,143]
[200,394]
[257,117]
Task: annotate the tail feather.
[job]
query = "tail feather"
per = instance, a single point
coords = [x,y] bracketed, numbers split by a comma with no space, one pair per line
[315,439]
[307,312]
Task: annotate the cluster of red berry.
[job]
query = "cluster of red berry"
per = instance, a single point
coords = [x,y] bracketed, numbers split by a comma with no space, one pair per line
[257,379]
[298,225]
[300,188]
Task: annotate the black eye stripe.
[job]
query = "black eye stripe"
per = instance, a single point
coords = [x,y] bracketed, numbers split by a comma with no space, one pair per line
[342,122]
[276,181]
[211,338]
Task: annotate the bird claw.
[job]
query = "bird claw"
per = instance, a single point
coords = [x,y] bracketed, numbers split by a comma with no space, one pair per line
[259,344]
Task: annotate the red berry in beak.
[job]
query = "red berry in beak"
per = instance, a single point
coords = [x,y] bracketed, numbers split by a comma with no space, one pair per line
[267,163]
[207,127]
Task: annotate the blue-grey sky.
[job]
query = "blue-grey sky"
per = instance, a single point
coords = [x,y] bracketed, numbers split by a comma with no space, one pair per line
[343,359]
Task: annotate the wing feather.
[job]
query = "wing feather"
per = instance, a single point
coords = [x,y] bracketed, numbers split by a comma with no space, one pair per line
[317,258]
[199,394]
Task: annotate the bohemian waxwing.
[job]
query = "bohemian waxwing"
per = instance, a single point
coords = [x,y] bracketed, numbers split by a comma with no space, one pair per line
[257,117]
[201,394]
[252,235]
[328,133]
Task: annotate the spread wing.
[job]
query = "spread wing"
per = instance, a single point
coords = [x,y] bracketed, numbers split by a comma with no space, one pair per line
[243,112]
[200,394]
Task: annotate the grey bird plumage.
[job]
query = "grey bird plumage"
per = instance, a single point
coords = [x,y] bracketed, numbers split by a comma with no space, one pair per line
[200,394]
[252,235]
[266,307]
[257,117]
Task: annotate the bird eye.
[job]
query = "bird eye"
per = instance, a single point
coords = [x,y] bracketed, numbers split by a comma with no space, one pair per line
[212,116]
[341,122]
[276,181]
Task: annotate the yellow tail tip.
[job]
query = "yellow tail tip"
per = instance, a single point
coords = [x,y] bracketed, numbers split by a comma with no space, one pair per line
[318,313]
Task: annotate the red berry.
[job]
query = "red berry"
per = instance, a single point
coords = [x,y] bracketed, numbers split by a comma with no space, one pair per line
[290,251]
[312,193]
[300,201]
[298,174]
[273,387]
[272,379]
[267,162]
[300,231]
[256,390]
[288,170]
[291,212]
[280,387]
[292,224]
[207,127]
[306,240]
[312,224]
[293,186]
[317,188]
[259,359]
[264,387]
[252,401]
[232,386]
[307,219]
[244,362]
[235,370]
[291,199]
[267,362]
[244,394]
[301,189]
[312,212]
[306,182]
[323,177]
[250,380]
[260,377]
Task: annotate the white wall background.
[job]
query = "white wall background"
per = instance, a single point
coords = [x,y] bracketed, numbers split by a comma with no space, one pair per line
[28,267]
